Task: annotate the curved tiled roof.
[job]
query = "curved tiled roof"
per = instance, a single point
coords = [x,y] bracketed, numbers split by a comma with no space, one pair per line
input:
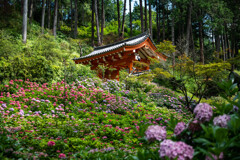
[128,42]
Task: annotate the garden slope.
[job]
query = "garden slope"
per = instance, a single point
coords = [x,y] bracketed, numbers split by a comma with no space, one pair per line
[82,116]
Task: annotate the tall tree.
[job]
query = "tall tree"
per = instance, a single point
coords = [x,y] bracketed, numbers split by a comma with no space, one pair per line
[157,19]
[130,16]
[173,34]
[49,13]
[75,19]
[123,20]
[189,25]
[163,19]
[93,6]
[59,14]
[173,23]
[150,18]
[24,25]
[31,12]
[146,23]
[217,39]
[43,15]
[97,23]
[103,20]
[71,15]
[119,22]
[55,18]
[141,15]
[201,37]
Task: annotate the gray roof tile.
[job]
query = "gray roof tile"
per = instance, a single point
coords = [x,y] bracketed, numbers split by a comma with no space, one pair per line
[128,42]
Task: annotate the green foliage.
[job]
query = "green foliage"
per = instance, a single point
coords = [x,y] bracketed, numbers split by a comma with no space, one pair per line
[123,75]
[211,70]
[166,47]
[161,73]
[140,65]
[40,60]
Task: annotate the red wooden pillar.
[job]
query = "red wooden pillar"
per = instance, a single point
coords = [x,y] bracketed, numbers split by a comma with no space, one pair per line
[130,66]
[130,62]
[117,75]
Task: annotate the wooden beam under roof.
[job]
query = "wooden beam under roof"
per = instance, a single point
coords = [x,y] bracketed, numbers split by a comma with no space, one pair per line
[149,53]
[141,55]
[149,50]
[144,53]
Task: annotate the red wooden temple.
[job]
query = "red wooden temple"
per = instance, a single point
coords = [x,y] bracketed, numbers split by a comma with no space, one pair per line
[122,55]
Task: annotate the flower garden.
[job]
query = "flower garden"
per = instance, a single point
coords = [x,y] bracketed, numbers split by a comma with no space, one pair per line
[91,119]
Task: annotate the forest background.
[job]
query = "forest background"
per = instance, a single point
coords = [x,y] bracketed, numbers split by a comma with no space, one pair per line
[39,38]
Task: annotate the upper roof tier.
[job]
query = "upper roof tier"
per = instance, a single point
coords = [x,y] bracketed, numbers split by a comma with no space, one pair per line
[114,46]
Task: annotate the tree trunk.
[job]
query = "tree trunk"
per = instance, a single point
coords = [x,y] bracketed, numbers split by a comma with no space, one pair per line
[43,15]
[102,25]
[75,19]
[189,25]
[49,13]
[22,6]
[157,19]
[192,45]
[173,24]
[173,35]
[226,42]
[93,22]
[141,15]
[24,25]
[150,18]
[146,22]
[58,17]
[223,48]
[130,15]
[119,22]
[62,14]
[31,12]
[55,18]
[123,20]
[217,39]
[163,19]
[201,38]
[97,24]
[71,16]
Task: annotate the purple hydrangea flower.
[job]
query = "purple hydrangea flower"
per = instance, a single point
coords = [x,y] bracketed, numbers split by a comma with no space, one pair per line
[172,150]
[221,121]
[235,109]
[155,132]
[4,105]
[179,128]
[203,112]
[215,157]
[21,112]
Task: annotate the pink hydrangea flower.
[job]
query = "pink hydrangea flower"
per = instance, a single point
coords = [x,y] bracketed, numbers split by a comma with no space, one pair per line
[155,132]
[179,150]
[179,128]
[62,155]
[51,143]
[221,121]
[203,112]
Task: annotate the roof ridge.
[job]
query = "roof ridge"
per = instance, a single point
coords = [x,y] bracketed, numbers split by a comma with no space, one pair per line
[146,33]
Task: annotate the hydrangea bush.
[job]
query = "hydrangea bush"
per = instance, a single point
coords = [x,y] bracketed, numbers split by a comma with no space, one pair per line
[155,132]
[83,120]
[78,120]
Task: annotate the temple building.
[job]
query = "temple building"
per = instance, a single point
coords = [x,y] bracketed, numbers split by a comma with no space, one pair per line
[122,55]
